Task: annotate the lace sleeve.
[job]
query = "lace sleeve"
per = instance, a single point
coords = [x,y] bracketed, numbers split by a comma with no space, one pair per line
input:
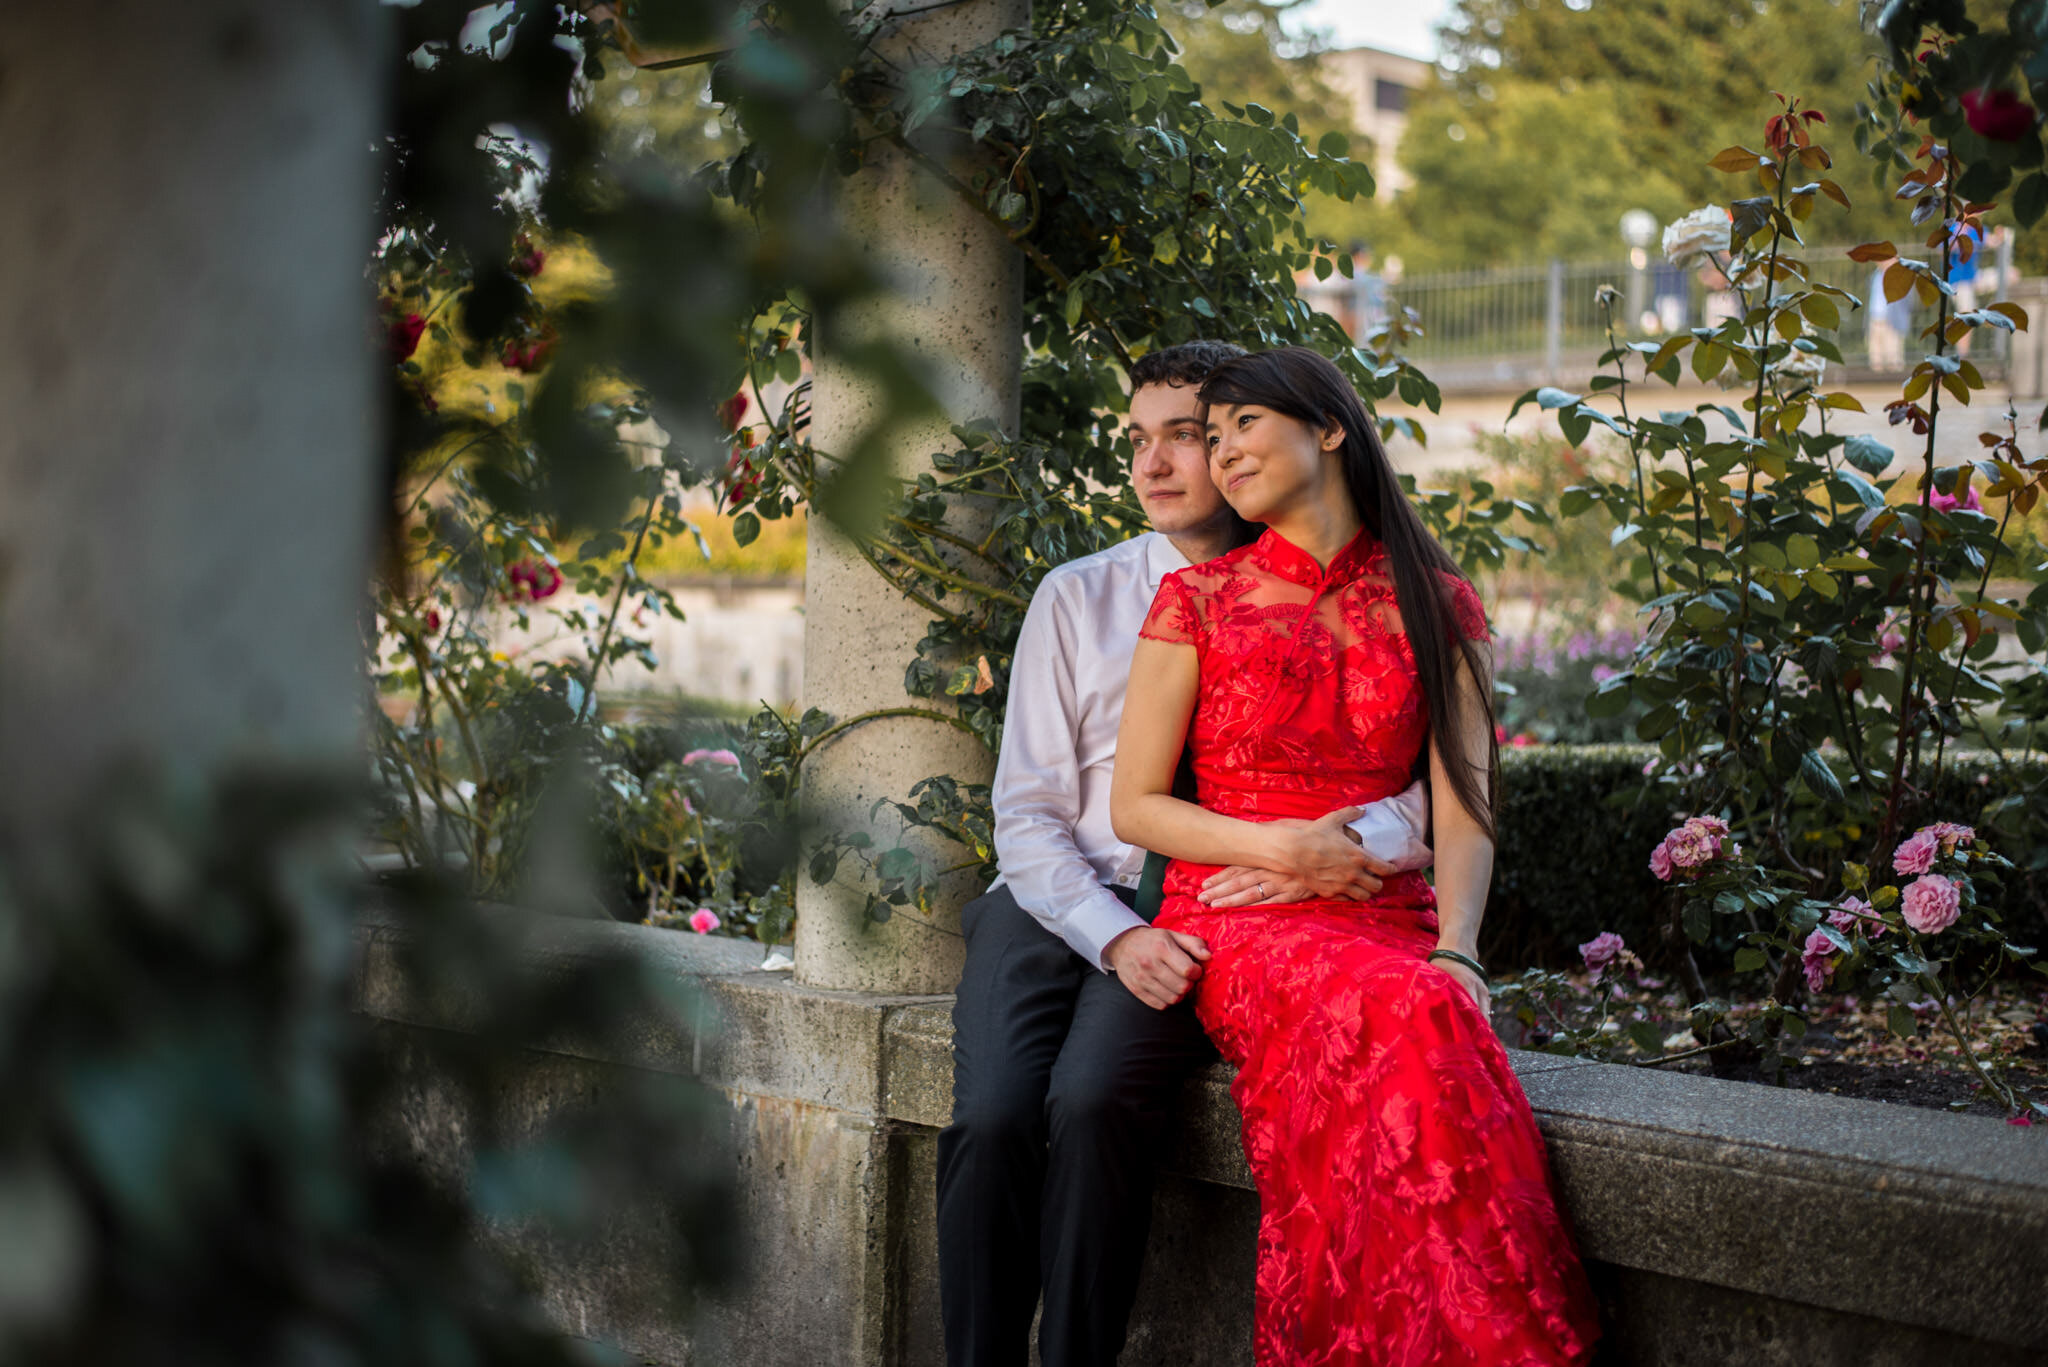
[1173,617]
[1467,610]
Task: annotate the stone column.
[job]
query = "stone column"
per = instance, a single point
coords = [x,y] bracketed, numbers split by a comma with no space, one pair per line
[187,417]
[957,300]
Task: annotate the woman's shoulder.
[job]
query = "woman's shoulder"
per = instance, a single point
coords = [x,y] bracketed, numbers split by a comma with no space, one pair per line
[1466,608]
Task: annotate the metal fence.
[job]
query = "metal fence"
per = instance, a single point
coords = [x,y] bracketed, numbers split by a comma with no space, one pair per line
[1543,324]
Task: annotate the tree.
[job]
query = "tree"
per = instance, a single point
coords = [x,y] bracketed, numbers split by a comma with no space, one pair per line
[1612,100]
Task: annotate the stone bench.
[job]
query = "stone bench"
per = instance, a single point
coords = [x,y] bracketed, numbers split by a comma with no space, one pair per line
[1722,1222]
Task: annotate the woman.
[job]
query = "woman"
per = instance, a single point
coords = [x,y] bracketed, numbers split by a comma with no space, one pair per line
[1406,1210]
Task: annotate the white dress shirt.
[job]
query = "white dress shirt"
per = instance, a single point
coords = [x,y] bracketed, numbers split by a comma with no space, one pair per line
[1055,848]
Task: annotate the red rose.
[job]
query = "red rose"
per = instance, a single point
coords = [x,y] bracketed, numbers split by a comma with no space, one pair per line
[528,356]
[742,480]
[538,578]
[433,620]
[1998,115]
[403,336]
[527,259]
[731,411]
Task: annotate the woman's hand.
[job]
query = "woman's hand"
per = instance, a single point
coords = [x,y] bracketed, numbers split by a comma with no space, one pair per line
[1471,982]
[1243,886]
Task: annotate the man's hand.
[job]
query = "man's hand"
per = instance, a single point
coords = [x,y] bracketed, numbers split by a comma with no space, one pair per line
[1159,966]
[1325,854]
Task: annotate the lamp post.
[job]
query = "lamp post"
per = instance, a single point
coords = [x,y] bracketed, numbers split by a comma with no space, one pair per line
[1638,231]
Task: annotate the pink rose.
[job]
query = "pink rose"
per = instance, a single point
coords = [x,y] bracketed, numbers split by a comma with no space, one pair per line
[1852,914]
[1916,854]
[1604,951]
[1818,960]
[1890,642]
[704,920]
[2019,1120]
[713,757]
[1700,840]
[1950,834]
[1947,503]
[1931,904]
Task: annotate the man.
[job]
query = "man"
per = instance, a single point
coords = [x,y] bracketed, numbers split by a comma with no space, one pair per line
[1071,1033]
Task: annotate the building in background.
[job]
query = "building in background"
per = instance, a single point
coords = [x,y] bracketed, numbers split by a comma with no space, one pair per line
[1379,86]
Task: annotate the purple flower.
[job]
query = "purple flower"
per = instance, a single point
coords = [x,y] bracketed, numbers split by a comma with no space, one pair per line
[1931,904]
[1603,952]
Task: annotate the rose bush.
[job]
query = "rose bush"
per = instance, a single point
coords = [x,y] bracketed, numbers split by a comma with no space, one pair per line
[1820,620]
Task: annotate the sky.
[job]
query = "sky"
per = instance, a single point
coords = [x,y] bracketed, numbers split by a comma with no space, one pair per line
[1404,26]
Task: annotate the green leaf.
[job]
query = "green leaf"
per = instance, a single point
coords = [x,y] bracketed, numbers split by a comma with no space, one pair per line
[745,528]
[1802,550]
[1820,776]
[1333,144]
[1749,958]
[1900,1020]
[1611,698]
[2030,200]
[1166,248]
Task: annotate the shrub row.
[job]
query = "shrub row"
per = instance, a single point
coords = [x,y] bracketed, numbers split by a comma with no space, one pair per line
[1577,824]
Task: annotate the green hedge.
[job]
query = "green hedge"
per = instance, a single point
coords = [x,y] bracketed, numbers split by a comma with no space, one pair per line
[1578,822]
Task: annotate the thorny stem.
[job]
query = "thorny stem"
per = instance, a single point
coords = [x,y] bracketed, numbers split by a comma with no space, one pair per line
[1763,372]
[627,574]
[1635,454]
[1916,622]
[929,714]
[1983,586]
[1687,1053]
[1948,1016]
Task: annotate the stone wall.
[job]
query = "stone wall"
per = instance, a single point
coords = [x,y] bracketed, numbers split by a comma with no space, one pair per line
[1723,1222]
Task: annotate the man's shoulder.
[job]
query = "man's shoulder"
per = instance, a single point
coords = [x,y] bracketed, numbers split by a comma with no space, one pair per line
[1120,561]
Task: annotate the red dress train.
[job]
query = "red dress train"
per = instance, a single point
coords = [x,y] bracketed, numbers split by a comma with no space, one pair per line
[1406,1213]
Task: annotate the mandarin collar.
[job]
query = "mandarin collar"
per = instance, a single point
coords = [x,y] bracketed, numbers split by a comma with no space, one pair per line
[1282,557]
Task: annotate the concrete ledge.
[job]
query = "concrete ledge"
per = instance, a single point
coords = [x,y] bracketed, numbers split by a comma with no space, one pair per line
[1711,1213]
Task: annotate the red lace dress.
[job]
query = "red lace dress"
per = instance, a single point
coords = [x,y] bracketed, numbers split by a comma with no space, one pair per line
[1406,1209]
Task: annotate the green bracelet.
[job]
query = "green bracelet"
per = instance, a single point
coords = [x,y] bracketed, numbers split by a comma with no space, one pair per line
[1455,957]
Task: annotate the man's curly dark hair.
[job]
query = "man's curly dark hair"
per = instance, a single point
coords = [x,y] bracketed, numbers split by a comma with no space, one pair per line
[1183,366]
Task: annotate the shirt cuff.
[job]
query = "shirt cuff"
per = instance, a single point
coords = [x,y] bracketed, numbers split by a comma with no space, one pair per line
[1092,925]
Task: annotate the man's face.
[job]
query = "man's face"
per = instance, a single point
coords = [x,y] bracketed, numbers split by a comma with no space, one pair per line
[1170,459]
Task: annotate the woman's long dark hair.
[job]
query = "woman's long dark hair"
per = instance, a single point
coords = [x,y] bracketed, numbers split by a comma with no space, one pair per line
[1305,386]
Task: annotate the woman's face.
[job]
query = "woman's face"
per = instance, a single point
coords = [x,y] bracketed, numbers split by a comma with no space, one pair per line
[1264,461]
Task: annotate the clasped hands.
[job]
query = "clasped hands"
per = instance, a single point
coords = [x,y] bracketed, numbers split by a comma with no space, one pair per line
[1161,966]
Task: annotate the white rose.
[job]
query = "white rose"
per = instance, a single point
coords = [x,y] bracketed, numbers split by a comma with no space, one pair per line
[1688,241]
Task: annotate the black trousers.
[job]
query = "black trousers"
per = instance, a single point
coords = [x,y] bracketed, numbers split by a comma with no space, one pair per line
[1062,1081]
